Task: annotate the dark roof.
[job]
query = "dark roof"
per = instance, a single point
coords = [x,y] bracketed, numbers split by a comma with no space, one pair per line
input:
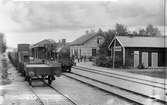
[81,40]
[43,42]
[139,41]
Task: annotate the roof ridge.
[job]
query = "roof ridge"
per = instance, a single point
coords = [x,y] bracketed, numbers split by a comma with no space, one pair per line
[82,39]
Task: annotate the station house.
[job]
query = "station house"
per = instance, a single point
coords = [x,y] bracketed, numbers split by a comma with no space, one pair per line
[86,45]
[135,50]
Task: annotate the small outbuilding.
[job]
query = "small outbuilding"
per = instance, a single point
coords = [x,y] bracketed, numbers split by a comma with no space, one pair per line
[132,51]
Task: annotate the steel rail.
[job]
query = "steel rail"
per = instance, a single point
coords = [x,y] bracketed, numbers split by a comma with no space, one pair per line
[121,76]
[158,100]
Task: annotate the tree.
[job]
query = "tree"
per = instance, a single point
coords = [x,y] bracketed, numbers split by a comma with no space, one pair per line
[142,32]
[4,47]
[108,37]
[134,33]
[150,30]
[100,32]
[3,43]
[121,29]
[153,31]
[103,58]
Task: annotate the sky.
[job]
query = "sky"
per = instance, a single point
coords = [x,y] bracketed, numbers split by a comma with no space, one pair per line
[32,21]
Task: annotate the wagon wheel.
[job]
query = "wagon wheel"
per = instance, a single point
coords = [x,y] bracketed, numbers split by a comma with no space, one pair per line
[50,80]
[69,69]
[24,73]
[43,78]
[26,78]
[30,81]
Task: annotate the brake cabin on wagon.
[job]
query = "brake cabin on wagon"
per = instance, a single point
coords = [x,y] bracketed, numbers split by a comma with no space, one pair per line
[132,51]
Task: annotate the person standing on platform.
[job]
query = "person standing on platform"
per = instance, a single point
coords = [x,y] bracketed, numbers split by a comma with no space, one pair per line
[81,58]
[84,58]
[78,58]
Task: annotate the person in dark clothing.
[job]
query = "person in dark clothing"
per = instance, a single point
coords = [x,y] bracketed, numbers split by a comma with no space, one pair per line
[81,58]
[78,59]
[84,58]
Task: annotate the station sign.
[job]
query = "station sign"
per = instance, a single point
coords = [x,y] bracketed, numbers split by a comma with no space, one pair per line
[136,52]
[118,48]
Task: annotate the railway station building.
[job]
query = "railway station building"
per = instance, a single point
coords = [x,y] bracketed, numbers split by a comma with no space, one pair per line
[86,45]
[132,51]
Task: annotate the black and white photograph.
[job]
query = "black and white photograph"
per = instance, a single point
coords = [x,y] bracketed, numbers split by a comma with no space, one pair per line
[83,52]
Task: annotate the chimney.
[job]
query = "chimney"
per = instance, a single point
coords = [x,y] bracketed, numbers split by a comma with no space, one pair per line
[87,32]
[63,41]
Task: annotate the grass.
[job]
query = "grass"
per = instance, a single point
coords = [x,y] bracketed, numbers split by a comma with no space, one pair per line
[158,73]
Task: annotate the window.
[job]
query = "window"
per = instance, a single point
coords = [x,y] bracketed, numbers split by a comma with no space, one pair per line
[93,52]
[98,41]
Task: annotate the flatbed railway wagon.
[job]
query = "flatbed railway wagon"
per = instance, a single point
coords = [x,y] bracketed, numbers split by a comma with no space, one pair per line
[42,72]
[33,70]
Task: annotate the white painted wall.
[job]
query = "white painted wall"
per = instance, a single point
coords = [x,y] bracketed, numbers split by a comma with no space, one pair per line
[145,59]
[154,60]
[136,58]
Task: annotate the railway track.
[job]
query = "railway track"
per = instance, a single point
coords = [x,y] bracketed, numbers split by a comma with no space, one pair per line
[124,77]
[38,99]
[85,75]
[48,95]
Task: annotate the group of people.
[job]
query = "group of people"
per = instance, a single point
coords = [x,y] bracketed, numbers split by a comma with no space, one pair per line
[81,58]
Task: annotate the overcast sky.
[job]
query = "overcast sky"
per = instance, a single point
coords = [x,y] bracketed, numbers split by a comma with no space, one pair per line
[30,22]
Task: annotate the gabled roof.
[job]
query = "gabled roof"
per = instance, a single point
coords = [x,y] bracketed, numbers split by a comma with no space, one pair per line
[140,41]
[81,40]
[43,42]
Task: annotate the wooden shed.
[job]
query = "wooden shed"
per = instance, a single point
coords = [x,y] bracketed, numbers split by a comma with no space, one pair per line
[132,51]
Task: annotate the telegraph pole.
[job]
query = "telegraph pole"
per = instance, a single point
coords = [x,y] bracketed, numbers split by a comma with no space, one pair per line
[114,51]
[114,54]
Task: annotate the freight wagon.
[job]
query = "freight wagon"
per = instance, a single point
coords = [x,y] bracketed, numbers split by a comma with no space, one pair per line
[33,70]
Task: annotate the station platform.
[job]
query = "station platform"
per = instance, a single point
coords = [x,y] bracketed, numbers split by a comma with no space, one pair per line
[14,90]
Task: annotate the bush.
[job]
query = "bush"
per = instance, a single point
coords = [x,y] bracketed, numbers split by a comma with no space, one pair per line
[140,66]
[103,61]
[109,62]
[100,60]
[90,58]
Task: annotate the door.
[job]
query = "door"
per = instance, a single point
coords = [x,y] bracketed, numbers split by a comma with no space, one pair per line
[136,58]
[154,59]
[145,59]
